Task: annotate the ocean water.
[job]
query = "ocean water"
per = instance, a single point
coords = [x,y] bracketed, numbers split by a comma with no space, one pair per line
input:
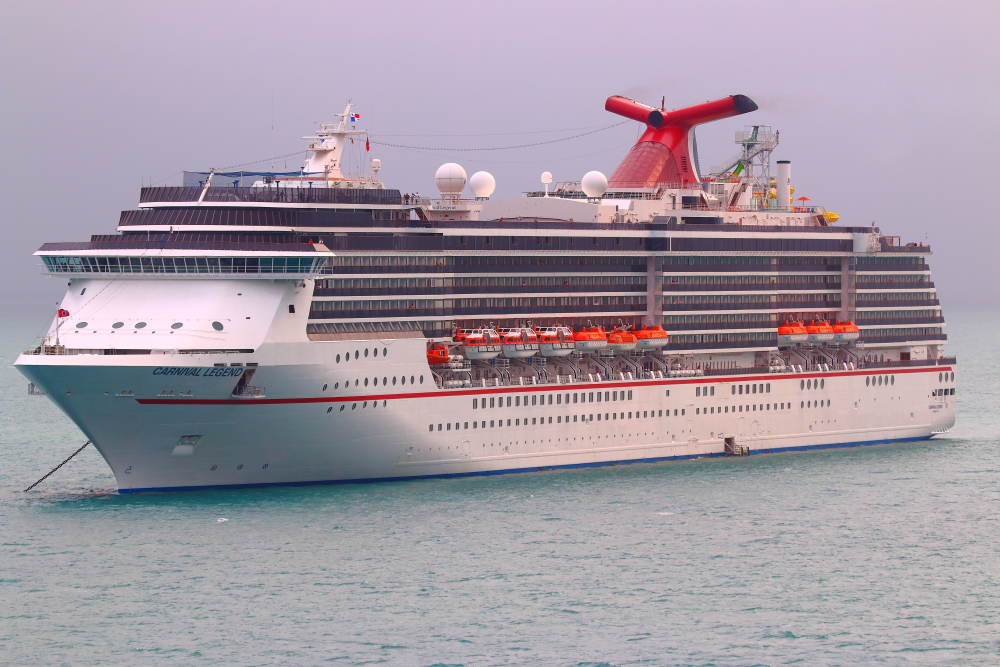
[874,555]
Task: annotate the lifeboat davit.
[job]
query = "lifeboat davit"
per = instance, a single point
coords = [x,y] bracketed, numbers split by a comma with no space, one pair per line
[791,333]
[820,332]
[844,332]
[621,340]
[438,355]
[589,339]
[555,341]
[651,338]
[479,343]
[518,342]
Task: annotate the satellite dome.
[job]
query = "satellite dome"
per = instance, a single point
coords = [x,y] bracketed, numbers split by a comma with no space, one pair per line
[482,184]
[594,184]
[450,178]
[546,177]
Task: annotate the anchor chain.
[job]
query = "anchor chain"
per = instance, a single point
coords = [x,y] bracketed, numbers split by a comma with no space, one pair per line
[57,467]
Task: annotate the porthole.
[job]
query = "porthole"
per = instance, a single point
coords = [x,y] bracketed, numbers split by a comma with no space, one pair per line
[324,387]
[329,410]
[342,407]
[356,354]
[809,384]
[366,352]
[117,325]
[366,382]
[421,379]
[215,325]
[952,376]
[892,379]
[880,380]
[822,384]
[354,406]
[402,379]
[940,375]
[411,379]
[338,358]
[385,352]
[393,380]
[80,325]
[385,381]
[375,351]
[142,325]
[215,467]
[802,404]
[802,384]
[365,405]
[868,381]
[176,325]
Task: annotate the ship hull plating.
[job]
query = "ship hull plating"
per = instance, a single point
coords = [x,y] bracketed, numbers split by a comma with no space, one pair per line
[300,434]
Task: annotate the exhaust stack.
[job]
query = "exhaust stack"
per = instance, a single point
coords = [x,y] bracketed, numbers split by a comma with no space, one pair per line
[663,153]
[783,183]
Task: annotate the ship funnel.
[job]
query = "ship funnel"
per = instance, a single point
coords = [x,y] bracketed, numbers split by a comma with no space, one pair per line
[663,153]
[783,183]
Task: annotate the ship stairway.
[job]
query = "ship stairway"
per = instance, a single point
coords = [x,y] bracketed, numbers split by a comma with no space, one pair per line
[538,370]
[633,364]
[576,371]
[607,371]
[803,359]
[654,363]
[733,449]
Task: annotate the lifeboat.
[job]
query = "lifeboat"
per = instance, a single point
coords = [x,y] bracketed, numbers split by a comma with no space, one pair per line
[791,333]
[479,343]
[555,341]
[651,338]
[438,355]
[518,342]
[588,339]
[622,340]
[820,332]
[844,332]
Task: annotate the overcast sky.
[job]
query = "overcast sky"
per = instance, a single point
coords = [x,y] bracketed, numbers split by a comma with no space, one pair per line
[889,111]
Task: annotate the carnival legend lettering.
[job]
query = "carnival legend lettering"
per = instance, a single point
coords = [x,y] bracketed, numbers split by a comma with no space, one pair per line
[199,372]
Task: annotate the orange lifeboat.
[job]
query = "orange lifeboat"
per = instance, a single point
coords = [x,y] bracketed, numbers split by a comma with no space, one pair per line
[651,338]
[555,341]
[622,340]
[438,355]
[518,342]
[590,338]
[479,343]
[846,331]
[791,333]
[820,332]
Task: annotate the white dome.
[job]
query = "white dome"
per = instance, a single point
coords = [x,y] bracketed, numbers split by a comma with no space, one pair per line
[450,178]
[594,184]
[546,177]
[482,184]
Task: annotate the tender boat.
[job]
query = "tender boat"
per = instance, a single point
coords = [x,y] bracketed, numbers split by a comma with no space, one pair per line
[651,338]
[820,332]
[555,341]
[479,343]
[438,355]
[845,331]
[518,342]
[792,333]
[589,339]
[622,340]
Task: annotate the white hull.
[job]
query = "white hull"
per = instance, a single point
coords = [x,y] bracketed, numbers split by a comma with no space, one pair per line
[298,433]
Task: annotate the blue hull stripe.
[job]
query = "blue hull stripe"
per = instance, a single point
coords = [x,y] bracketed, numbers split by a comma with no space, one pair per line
[510,471]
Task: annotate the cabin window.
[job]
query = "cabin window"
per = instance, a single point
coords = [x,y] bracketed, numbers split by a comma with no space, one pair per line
[630,395]
[291,308]
[713,391]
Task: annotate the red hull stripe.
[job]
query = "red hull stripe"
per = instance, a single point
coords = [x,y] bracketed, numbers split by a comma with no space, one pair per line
[443,393]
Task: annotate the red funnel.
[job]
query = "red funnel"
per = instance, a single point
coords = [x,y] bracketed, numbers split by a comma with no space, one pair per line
[663,154]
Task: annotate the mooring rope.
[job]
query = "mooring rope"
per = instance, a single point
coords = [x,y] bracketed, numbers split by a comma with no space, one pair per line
[57,467]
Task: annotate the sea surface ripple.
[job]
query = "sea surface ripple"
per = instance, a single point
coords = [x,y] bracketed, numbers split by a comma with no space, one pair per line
[872,555]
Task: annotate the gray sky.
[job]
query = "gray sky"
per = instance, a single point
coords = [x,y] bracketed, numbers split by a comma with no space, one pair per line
[888,110]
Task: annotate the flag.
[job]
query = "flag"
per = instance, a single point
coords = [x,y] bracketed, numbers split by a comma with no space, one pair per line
[355,117]
[62,313]
[368,146]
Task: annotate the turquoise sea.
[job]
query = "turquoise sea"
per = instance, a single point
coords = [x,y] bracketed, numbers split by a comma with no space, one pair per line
[874,555]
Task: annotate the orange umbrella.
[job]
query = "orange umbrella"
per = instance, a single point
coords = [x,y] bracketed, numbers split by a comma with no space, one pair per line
[803,199]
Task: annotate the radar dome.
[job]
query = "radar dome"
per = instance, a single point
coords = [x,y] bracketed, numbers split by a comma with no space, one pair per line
[594,184]
[450,178]
[482,184]
[546,177]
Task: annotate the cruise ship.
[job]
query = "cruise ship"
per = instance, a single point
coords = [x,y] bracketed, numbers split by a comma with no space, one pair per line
[250,329]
